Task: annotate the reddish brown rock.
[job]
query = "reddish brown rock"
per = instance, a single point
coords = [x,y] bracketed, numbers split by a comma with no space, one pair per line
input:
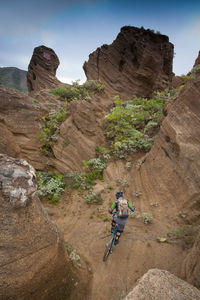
[20,126]
[42,70]
[33,261]
[137,63]
[177,81]
[83,131]
[197,61]
[171,170]
[191,265]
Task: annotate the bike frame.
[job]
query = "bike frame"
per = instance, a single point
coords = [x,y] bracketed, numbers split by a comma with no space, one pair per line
[114,234]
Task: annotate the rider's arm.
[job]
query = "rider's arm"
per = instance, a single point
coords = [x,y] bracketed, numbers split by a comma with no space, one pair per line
[112,207]
[132,208]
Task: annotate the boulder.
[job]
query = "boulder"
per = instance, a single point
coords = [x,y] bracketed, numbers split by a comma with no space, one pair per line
[138,62]
[191,265]
[162,285]
[42,70]
[33,261]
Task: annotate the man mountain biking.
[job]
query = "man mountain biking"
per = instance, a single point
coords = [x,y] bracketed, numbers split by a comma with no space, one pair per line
[120,210]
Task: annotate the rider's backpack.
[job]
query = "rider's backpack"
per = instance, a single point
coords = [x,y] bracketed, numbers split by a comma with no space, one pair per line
[123,209]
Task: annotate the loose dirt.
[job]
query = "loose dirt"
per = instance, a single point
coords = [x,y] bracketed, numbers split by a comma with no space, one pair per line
[87,229]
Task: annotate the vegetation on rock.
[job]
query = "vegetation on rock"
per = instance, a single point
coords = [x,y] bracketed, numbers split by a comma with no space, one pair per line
[77,91]
[131,125]
[186,234]
[50,185]
[51,128]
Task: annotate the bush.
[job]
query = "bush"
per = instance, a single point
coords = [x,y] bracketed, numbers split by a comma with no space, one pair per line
[93,198]
[185,233]
[78,92]
[51,128]
[147,218]
[131,125]
[50,185]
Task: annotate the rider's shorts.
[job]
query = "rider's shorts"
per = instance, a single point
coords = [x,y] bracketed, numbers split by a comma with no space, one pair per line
[120,228]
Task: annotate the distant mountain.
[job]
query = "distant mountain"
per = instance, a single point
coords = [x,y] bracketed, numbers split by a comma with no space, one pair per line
[14,78]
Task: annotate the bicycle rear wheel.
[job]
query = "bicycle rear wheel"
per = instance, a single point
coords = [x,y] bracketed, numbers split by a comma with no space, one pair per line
[107,251]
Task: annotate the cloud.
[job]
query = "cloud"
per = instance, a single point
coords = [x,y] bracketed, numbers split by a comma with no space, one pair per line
[21,17]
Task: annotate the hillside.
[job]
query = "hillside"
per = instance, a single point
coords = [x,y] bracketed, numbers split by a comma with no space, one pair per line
[13,78]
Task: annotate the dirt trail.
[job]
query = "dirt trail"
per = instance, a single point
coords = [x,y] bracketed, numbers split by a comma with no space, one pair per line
[86,229]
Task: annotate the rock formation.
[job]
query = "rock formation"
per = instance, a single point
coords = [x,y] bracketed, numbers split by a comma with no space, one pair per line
[197,61]
[191,265]
[42,70]
[20,126]
[83,129]
[171,170]
[137,63]
[162,285]
[33,261]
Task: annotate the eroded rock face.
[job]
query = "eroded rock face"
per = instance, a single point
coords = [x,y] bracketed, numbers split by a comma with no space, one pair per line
[197,61]
[137,63]
[42,70]
[20,126]
[83,130]
[171,170]
[191,265]
[33,262]
[159,284]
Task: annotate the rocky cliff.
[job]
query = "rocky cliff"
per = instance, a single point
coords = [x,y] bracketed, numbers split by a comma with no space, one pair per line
[197,61]
[42,70]
[20,126]
[33,261]
[137,63]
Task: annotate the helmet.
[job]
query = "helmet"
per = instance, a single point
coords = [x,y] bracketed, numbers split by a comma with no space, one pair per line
[119,194]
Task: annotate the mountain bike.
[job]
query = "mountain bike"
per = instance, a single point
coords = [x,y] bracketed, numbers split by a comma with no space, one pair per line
[110,244]
[111,241]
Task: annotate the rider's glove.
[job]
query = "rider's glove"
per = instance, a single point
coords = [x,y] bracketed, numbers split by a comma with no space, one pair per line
[110,211]
[133,209]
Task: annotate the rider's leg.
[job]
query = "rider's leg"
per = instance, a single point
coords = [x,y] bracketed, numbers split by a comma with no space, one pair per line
[117,238]
[113,224]
[119,232]
[118,235]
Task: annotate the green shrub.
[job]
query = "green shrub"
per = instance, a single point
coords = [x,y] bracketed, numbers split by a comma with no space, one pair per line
[147,217]
[93,198]
[77,91]
[185,233]
[79,181]
[50,185]
[196,70]
[51,128]
[131,125]
[66,143]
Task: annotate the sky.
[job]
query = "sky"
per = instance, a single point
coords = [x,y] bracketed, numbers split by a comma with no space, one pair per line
[74,29]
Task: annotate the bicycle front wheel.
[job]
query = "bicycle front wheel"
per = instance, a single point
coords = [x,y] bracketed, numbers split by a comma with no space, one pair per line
[107,251]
